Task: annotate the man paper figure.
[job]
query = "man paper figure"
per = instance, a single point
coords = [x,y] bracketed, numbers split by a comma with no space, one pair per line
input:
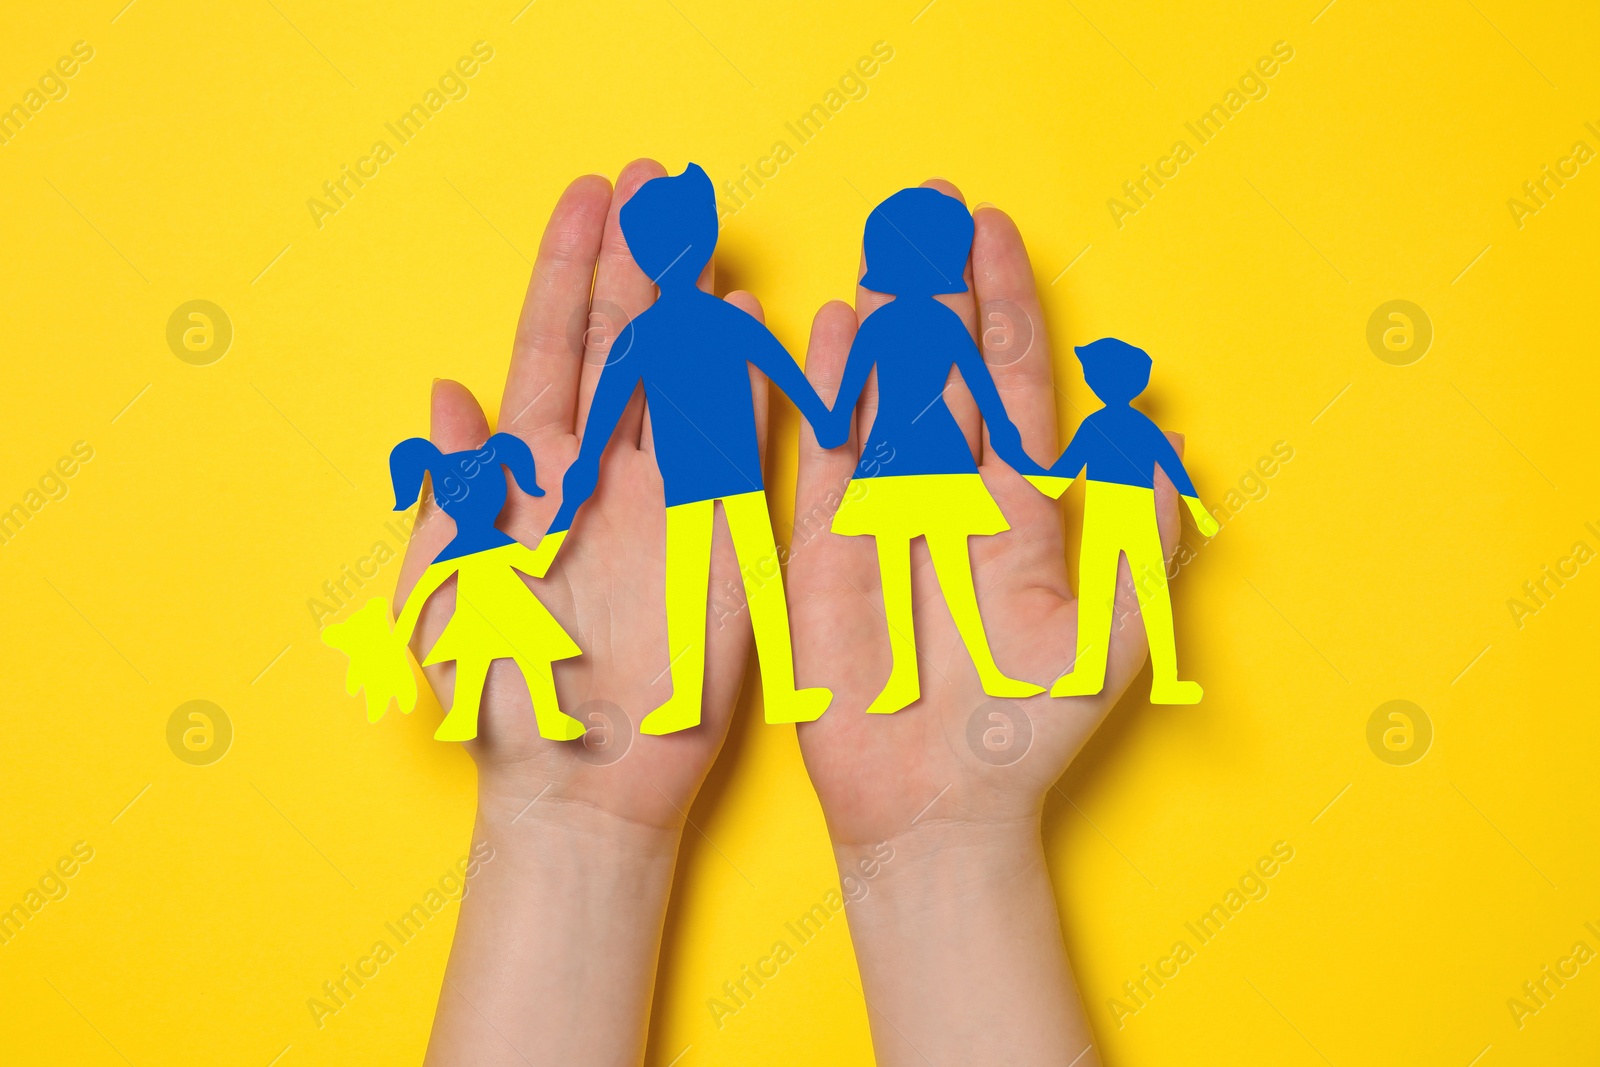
[690,351]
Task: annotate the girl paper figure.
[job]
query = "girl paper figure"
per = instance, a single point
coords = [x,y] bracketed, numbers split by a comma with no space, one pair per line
[917,477]
[496,614]
[1119,448]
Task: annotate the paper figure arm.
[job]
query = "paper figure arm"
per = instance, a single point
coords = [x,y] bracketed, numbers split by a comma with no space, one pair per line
[773,360]
[857,368]
[1167,459]
[1004,437]
[611,396]
[1064,471]
[432,578]
[1073,460]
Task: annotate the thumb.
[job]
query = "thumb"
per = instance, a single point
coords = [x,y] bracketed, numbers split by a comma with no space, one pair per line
[1167,520]
[455,423]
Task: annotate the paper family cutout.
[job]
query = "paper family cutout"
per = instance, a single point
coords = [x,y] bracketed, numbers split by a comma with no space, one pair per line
[690,352]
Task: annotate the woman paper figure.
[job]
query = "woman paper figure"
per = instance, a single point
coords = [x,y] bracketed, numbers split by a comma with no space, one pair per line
[917,477]
[496,614]
[1119,448]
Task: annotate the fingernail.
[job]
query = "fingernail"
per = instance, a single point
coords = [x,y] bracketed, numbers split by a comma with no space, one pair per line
[981,206]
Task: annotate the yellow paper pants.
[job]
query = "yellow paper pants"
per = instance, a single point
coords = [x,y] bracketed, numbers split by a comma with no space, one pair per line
[1121,520]
[689,530]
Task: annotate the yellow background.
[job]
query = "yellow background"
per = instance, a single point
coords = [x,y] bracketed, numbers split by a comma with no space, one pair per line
[1378,566]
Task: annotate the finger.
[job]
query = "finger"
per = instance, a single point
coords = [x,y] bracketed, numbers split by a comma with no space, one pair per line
[542,382]
[957,397]
[759,386]
[829,575]
[824,469]
[705,283]
[621,292]
[1167,518]
[823,474]
[1012,337]
[456,423]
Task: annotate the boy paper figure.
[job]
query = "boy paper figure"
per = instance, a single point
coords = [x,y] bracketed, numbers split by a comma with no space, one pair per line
[1120,448]
[496,614]
[691,352]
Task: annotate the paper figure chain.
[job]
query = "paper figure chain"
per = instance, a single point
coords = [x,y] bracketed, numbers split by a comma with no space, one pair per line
[689,351]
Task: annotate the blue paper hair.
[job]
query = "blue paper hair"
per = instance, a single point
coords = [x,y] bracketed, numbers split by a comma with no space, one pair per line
[917,243]
[467,485]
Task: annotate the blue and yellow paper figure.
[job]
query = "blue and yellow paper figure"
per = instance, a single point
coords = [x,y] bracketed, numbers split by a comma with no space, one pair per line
[1119,449]
[496,614]
[917,476]
[691,353]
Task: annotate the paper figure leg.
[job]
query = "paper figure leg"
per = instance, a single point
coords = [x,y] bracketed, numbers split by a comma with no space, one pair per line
[751,528]
[953,565]
[462,722]
[894,568]
[554,724]
[1098,559]
[1148,566]
[689,529]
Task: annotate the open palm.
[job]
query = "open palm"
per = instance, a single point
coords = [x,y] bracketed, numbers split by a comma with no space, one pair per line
[606,587]
[956,755]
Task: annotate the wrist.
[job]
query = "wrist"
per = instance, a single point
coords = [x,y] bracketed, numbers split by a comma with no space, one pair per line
[933,869]
[554,831]
[562,921]
[959,929]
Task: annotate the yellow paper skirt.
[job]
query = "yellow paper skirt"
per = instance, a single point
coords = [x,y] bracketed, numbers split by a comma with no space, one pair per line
[497,616]
[910,505]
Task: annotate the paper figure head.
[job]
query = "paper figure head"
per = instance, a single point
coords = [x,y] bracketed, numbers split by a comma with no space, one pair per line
[1115,370]
[670,225]
[467,486]
[917,243]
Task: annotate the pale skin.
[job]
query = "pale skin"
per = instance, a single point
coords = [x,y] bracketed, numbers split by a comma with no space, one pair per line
[554,960]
